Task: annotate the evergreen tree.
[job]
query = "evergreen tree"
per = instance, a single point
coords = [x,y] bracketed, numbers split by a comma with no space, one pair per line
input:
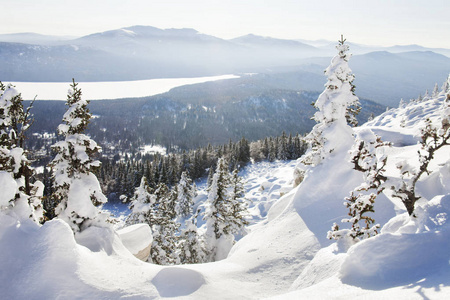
[192,249]
[238,209]
[265,149]
[331,130]
[435,91]
[255,151]
[184,162]
[283,147]
[21,197]
[209,180]
[163,175]
[273,150]
[173,171]
[76,189]
[164,228]
[185,197]
[141,205]
[224,212]
[445,89]
[216,208]
[243,152]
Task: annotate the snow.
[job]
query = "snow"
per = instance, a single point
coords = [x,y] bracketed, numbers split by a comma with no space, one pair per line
[153,149]
[109,89]
[136,238]
[415,255]
[175,282]
[8,190]
[285,255]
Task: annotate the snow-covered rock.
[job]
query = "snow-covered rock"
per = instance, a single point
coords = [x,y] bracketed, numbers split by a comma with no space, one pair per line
[138,239]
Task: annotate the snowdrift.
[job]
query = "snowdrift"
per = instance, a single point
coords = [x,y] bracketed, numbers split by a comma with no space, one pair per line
[409,250]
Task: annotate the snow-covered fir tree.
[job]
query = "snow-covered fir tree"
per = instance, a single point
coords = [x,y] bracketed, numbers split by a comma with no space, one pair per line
[164,229]
[19,195]
[191,244]
[210,177]
[238,207]
[336,108]
[216,208]
[141,205]
[445,89]
[223,215]
[76,190]
[186,193]
[435,91]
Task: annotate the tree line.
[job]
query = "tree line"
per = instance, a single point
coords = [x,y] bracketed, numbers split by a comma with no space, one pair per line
[120,176]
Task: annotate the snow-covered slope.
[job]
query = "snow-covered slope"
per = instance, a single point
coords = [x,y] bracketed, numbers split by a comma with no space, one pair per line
[286,253]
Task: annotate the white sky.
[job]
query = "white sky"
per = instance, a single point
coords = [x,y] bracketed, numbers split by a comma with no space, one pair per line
[374,22]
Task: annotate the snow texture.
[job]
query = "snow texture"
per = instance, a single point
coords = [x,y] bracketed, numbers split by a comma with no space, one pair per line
[8,190]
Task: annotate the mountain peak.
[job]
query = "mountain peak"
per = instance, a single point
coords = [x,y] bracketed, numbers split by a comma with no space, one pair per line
[144,32]
[257,40]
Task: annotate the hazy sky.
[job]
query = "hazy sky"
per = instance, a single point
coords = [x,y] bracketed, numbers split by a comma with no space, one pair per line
[375,22]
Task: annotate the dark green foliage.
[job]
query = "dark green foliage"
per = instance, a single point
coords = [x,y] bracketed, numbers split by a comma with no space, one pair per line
[122,177]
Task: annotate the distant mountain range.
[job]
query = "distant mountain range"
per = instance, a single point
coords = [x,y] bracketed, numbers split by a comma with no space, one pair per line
[143,52]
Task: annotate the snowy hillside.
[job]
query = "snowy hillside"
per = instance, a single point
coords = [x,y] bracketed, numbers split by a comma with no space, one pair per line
[286,253]
[305,239]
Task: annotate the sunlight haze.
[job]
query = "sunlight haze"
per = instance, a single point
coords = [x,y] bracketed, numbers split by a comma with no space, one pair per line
[383,22]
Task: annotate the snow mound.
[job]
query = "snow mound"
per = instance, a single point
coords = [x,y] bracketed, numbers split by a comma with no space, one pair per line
[406,120]
[175,282]
[319,199]
[41,262]
[101,239]
[137,239]
[421,249]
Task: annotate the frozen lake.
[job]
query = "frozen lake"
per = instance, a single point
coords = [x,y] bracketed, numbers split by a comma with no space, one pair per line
[110,89]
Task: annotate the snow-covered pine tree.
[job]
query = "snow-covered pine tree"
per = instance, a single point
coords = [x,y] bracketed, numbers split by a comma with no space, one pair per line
[435,91]
[141,205]
[243,152]
[216,208]
[336,106]
[185,197]
[76,189]
[238,208]
[164,228]
[223,216]
[445,89]
[283,147]
[191,245]
[210,177]
[19,195]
